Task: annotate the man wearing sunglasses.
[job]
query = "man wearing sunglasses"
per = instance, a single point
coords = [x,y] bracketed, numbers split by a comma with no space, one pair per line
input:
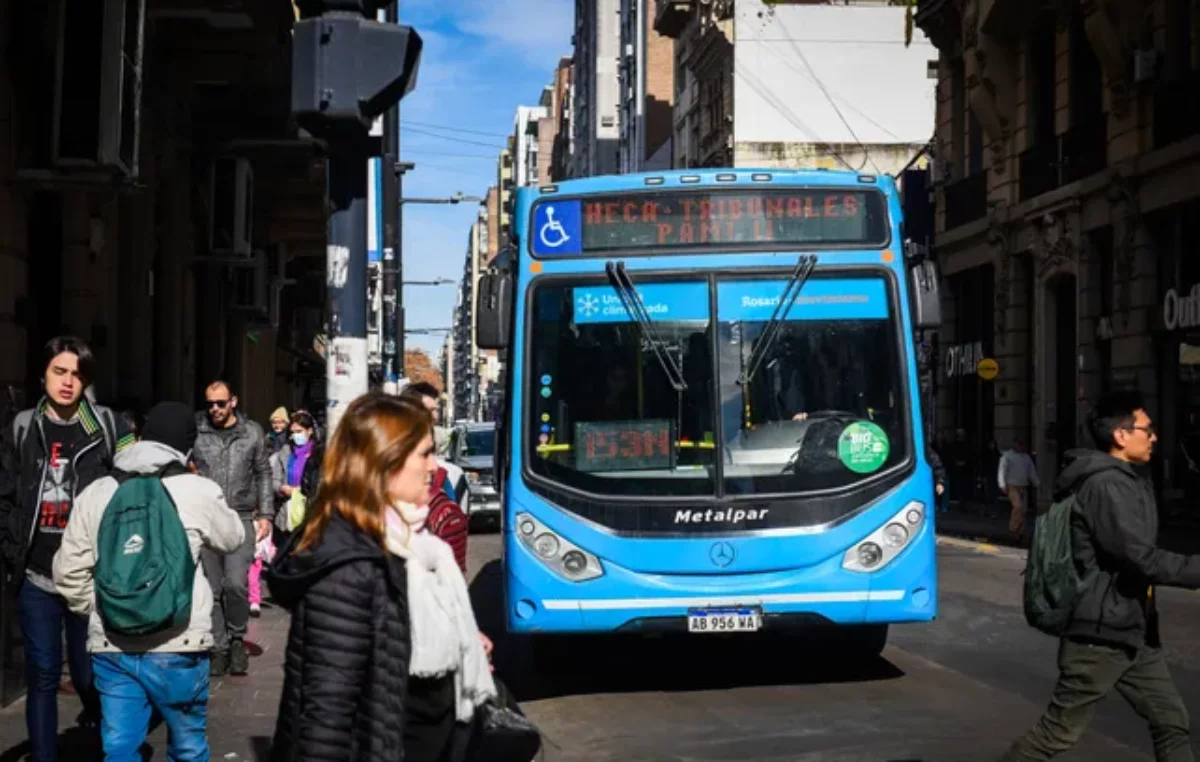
[233,452]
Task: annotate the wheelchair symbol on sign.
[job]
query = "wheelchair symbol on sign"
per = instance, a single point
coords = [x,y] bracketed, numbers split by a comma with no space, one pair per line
[552,233]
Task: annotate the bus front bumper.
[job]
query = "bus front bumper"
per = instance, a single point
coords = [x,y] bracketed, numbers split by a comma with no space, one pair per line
[622,600]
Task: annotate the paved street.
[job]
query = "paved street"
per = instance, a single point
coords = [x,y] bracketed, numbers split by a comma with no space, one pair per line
[959,689]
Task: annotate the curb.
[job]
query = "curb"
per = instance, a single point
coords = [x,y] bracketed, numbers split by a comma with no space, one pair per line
[981,545]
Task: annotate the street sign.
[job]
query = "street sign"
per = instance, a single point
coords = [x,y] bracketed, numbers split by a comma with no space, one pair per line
[987,369]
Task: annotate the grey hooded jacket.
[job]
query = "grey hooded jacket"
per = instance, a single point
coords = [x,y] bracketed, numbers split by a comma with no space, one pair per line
[206,519]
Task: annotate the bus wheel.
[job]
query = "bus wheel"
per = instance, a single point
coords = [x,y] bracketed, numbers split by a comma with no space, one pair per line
[866,640]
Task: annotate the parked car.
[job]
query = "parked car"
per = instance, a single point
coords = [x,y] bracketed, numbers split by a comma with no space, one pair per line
[473,449]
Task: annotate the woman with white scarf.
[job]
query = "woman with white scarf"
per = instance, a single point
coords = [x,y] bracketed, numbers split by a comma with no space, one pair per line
[384,657]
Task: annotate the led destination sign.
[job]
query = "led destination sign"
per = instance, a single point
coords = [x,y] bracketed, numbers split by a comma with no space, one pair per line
[665,220]
[624,445]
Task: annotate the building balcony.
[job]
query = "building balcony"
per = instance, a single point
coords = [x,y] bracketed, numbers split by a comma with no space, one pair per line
[1174,119]
[966,200]
[1085,149]
[1038,169]
[940,21]
[673,16]
[1078,153]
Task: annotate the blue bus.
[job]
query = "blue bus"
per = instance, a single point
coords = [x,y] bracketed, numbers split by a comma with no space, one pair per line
[712,419]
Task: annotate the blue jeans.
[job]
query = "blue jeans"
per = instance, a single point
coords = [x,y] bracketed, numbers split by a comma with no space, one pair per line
[43,616]
[133,685]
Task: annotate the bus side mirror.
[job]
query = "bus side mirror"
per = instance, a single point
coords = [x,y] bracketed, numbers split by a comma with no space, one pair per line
[926,295]
[493,317]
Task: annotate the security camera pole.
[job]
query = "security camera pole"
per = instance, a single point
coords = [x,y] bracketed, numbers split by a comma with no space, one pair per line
[348,69]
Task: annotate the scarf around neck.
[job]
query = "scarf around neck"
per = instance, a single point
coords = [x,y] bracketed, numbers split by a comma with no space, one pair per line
[442,627]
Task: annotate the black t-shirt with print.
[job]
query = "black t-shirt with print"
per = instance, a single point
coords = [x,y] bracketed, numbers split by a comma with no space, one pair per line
[63,441]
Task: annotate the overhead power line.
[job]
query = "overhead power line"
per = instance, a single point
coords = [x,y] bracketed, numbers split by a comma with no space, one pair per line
[448,128]
[454,139]
[452,154]
[833,103]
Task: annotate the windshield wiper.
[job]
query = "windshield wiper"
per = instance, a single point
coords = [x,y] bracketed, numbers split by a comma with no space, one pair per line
[623,285]
[804,268]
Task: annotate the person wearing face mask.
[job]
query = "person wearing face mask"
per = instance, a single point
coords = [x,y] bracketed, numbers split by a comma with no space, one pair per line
[384,658]
[295,468]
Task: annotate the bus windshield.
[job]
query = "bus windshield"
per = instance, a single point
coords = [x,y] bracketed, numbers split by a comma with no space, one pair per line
[824,410]
[604,415]
[825,407]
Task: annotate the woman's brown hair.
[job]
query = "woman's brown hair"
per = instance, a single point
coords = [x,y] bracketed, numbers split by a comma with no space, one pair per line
[373,440]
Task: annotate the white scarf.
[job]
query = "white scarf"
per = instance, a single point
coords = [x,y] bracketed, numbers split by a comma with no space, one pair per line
[444,635]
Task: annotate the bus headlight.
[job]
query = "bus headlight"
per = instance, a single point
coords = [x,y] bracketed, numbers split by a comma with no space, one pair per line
[564,558]
[878,549]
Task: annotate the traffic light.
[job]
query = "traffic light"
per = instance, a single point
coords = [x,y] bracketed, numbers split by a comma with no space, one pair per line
[347,69]
[310,8]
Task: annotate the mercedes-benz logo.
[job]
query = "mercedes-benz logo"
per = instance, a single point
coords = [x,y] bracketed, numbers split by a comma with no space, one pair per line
[721,554]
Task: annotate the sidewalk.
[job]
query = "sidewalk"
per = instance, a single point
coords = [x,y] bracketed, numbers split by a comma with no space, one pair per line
[970,521]
[241,710]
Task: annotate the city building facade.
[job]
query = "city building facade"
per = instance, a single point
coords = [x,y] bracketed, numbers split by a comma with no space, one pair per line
[1064,176]
[791,85]
[646,77]
[596,90]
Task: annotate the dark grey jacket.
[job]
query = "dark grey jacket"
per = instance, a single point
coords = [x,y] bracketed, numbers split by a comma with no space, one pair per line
[240,464]
[1114,531]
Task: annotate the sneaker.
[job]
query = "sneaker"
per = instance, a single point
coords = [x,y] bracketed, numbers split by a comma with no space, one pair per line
[255,609]
[218,663]
[239,662]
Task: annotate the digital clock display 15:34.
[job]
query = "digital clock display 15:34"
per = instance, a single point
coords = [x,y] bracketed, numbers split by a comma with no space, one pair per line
[624,445]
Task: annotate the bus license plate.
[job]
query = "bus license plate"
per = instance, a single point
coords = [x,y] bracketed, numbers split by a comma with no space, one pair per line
[724,620]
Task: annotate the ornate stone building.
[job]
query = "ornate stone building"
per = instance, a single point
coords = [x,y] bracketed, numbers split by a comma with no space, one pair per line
[1065,172]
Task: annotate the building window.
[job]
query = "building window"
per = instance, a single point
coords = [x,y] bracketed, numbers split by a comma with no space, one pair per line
[1042,54]
[958,114]
[972,402]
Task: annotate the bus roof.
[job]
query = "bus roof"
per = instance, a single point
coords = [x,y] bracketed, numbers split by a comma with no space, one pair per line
[713,177]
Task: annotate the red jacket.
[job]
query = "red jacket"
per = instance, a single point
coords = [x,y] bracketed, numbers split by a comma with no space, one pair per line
[447,520]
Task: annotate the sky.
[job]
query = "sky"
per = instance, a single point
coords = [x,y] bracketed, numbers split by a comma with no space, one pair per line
[481,59]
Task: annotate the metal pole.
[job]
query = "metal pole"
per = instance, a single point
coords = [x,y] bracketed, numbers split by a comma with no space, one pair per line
[392,339]
[399,212]
[346,259]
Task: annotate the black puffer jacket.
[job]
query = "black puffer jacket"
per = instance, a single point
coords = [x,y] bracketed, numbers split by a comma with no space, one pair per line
[346,668]
[1114,530]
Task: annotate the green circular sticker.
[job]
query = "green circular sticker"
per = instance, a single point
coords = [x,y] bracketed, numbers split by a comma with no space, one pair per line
[863,447]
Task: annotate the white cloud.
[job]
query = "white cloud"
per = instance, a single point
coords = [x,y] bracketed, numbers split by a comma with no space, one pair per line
[537,31]
[481,59]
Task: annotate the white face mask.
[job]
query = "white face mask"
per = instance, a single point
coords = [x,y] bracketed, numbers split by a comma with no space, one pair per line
[300,438]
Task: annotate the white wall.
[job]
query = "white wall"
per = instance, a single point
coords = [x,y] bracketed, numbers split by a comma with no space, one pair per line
[857,53]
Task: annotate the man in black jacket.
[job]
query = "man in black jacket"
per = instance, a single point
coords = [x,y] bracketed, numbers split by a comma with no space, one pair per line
[1112,640]
[49,455]
[232,451]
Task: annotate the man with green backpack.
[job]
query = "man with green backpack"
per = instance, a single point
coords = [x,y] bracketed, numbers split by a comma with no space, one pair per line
[1093,565]
[128,561]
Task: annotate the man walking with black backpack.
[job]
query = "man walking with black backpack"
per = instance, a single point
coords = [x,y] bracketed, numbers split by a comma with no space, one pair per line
[148,602]
[48,456]
[1111,639]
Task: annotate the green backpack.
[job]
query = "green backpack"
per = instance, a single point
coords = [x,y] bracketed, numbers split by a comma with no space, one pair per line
[1053,586]
[144,567]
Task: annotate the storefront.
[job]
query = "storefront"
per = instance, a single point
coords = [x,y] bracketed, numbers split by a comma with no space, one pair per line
[1177,339]
[967,423]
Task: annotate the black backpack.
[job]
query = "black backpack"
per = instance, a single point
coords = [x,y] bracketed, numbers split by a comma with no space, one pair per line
[1053,585]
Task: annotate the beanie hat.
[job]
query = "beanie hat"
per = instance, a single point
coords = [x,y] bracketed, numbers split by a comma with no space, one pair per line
[280,414]
[172,424]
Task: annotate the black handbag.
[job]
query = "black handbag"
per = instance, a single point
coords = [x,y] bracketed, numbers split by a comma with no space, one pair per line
[500,731]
